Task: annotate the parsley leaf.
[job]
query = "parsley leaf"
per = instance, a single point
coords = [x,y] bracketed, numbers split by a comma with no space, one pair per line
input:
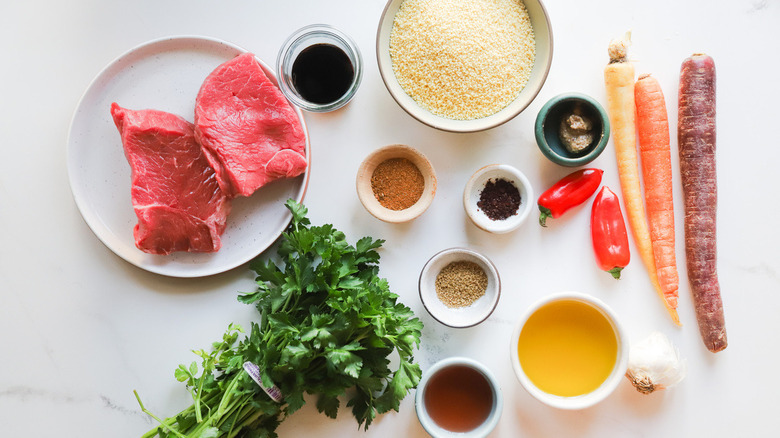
[328,324]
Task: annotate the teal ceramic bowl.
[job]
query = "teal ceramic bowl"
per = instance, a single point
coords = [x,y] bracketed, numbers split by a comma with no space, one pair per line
[548,126]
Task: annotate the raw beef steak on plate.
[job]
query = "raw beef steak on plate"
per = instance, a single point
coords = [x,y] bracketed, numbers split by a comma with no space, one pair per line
[175,194]
[249,132]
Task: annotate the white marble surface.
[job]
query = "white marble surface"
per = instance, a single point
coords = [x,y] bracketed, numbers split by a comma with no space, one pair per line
[80,328]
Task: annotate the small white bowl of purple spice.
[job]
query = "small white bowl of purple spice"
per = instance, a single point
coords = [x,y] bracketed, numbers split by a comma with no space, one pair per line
[498,198]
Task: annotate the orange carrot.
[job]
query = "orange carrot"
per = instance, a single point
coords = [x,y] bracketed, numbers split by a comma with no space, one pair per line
[619,82]
[655,153]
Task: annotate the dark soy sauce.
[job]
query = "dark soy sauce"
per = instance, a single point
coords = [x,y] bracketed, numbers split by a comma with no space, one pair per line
[322,73]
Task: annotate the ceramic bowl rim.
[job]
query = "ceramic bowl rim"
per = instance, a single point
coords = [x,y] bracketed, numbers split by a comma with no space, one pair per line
[484,262]
[427,422]
[478,218]
[462,126]
[366,194]
[541,121]
[585,400]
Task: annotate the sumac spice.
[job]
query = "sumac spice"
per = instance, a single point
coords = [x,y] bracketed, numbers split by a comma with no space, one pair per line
[397,183]
[499,199]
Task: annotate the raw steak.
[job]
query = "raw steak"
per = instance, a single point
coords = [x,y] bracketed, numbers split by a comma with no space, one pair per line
[175,193]
[249,132]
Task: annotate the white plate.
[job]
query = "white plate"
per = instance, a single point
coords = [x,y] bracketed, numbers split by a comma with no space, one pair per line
[164,74]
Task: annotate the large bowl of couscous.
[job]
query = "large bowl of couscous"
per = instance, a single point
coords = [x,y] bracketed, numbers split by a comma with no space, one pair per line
[464,65]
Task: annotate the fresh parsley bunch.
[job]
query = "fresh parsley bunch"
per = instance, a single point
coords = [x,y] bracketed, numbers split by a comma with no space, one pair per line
[328,324]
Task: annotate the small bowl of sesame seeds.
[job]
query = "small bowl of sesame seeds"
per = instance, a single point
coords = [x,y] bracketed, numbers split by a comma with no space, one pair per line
[464,65]
[459,287]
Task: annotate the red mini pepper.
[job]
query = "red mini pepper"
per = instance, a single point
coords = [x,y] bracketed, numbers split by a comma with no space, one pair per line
[571,191]
[608,230]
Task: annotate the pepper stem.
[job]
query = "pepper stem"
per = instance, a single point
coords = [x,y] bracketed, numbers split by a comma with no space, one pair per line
[615,272]
[543,217]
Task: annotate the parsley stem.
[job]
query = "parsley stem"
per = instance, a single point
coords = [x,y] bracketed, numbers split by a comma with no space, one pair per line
[327,324]
[163,424]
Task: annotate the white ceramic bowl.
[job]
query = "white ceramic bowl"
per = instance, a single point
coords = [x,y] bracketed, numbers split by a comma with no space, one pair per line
[580,401]
[437,431]
[460,317]
[474,188]
[366,193]
[540,22]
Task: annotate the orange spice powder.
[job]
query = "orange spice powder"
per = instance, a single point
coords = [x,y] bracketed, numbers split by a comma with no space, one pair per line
[397,183]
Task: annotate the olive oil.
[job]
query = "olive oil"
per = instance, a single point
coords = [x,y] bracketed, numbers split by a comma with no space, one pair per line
[458,398]
[567,348]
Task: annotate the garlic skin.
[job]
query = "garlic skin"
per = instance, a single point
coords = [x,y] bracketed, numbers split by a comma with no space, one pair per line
[654,363]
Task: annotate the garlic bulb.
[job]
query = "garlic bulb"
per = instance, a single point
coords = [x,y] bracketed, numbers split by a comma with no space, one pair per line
[654,364]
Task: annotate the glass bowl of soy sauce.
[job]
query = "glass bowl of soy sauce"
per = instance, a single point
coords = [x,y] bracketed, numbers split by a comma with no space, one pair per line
[319,68]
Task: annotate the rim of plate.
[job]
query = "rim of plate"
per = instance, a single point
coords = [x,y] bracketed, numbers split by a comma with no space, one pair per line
[95,224]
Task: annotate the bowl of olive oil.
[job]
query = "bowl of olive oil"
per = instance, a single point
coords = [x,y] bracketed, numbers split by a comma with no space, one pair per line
[568,350]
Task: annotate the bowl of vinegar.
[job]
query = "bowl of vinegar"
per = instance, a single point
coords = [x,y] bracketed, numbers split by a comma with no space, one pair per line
[458,397]
[569,351]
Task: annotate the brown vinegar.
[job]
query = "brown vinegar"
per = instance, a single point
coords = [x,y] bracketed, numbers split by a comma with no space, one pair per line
[458,398]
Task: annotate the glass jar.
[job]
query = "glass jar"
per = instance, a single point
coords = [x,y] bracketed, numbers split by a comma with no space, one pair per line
[291,66]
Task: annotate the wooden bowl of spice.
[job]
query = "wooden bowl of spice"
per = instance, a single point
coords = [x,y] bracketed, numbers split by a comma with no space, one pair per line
[498,198]
[459,287]
[396,183]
